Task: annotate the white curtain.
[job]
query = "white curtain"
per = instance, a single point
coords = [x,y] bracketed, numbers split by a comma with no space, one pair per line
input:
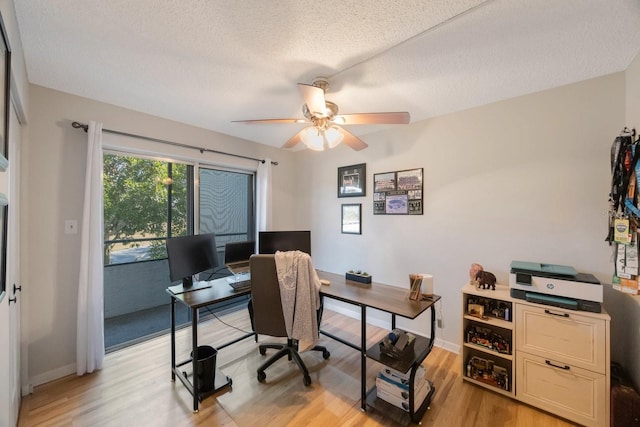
[90,333]
[263,197]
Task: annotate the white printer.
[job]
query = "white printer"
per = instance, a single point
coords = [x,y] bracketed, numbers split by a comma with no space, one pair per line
[556,285]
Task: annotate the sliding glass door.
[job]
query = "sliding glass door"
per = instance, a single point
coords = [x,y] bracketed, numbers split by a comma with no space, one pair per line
[226,205]
[146,201]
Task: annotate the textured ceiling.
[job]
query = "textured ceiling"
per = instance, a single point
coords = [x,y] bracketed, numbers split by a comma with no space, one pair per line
[209,62]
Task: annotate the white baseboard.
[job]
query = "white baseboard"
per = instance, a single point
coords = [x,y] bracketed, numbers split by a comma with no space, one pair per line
[48,376]
[447,345]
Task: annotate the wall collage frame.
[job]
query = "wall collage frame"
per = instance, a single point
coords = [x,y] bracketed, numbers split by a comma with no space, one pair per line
[394,193]
[398,193]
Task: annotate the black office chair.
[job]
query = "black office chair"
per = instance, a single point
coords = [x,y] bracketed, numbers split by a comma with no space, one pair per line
[268,318]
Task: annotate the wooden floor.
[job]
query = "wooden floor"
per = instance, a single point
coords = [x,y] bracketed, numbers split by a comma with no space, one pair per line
[135,389]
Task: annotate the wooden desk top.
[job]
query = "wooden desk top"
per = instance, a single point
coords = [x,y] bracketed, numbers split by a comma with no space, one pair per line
[383,297]
[220,290]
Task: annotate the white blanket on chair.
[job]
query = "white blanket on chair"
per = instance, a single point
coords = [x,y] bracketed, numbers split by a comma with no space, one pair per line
[300,294]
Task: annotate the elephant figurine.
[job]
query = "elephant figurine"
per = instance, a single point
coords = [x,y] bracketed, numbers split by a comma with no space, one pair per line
[486,280]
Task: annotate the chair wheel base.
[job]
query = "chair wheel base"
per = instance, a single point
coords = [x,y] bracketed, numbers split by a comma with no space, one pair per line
[326,355]
[261,376]
[306,380]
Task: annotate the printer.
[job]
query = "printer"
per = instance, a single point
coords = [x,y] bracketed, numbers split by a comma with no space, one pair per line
[556,285]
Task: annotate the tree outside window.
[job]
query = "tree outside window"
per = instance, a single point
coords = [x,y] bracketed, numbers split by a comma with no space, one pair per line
[145,201]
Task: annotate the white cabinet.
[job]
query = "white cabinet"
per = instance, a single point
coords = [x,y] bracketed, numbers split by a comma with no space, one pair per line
[563,362]
[558,359]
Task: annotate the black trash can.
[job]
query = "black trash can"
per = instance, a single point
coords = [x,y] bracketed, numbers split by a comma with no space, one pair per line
[205,367]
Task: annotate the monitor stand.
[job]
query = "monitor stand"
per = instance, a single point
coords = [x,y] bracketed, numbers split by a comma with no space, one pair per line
[188,285]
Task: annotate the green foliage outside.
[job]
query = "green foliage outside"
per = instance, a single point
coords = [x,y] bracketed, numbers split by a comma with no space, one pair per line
[136,199]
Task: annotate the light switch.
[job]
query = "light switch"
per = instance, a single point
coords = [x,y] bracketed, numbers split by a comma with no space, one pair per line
[71,226]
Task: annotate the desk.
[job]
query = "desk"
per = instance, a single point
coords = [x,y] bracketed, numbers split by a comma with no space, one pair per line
[218,292]
[390,299]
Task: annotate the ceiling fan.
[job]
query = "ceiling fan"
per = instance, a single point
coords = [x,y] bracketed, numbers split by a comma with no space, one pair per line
[322,115]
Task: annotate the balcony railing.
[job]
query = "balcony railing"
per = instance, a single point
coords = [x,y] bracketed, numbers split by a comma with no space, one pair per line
[132,290]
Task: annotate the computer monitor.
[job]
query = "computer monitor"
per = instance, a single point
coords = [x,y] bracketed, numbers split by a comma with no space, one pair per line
[189,255]
[239,251]
[271,241]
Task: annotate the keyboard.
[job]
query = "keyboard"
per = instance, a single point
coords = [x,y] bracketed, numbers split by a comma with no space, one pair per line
[240,281]
[240,286]
[240,277]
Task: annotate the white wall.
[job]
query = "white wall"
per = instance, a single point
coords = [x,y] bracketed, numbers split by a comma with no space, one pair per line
[53,176]
[521,179]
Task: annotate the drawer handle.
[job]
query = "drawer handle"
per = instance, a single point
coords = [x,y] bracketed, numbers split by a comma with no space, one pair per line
[565,367]
[557,314]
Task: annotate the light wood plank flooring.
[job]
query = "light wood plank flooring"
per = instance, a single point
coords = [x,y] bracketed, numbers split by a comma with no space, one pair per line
[135,388]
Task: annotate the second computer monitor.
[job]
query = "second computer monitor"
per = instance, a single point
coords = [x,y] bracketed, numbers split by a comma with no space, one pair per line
[239,251]
[271,241]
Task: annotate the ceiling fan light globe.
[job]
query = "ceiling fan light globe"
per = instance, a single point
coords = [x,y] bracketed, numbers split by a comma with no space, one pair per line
[333,136]
[313,139]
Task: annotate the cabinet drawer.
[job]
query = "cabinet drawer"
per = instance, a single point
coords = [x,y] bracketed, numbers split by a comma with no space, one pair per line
[562,335]
[570,392]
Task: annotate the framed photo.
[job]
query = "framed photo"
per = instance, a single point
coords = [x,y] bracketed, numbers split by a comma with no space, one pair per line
[5,79]
[4,209]
[384,182]
[352,218]
[398,193]
[352,180]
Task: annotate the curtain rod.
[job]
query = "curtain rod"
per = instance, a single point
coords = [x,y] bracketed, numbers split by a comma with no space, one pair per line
[177,144]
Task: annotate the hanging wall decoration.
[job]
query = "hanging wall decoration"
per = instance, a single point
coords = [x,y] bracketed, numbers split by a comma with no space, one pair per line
[352,180]
[624,211]
[352,218]
[5,79]
[398,193]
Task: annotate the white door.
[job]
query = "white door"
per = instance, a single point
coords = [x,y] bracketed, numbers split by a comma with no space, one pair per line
[13,265]
[10,303]
[5,362]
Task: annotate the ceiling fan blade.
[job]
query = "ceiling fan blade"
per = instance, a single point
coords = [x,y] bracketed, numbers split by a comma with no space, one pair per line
[294,140]
[262,121]
[314,98]
[351,140]
[397,118]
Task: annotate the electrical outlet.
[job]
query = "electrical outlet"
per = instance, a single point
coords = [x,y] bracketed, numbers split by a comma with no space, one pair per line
[440,323]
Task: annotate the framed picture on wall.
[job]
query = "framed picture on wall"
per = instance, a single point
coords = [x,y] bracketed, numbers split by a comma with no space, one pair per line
[5,79]
[398,192]
[352,218]
[4,209]
[352,180]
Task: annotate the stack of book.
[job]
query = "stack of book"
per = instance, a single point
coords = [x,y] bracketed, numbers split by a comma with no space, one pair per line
[392,386]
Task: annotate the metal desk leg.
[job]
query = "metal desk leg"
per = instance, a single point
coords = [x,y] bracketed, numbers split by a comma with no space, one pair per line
[433,325]
[173,339]
[363,357]
[194,357]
